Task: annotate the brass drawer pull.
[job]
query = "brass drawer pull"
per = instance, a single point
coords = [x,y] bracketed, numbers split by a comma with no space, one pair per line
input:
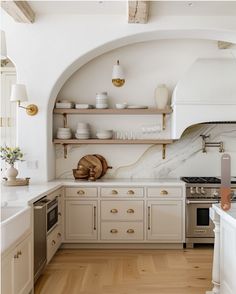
[113,231]
[164,192]
[114,192]
[130,192]
[59,235]
[130,210]
[19,253]
[80,192]
[53,242]
[113,210]
[130,231]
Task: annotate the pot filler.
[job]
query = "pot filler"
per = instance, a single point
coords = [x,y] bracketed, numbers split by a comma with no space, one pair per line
[205,94]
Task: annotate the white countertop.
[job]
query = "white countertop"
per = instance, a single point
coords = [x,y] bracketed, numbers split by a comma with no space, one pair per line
[29,194]
[229,216]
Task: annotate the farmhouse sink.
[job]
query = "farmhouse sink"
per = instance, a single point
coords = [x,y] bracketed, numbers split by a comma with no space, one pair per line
[15,221]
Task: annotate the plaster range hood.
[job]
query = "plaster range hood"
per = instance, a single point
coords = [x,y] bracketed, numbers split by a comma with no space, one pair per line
[206,93]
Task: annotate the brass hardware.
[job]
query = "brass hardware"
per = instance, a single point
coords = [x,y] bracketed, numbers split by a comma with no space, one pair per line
[130,231]
[59,213]
[130,210]
[118,82]
[163,121]
[114,192]
[64,120]
[130,192]
[80,192]
[163,151]
[149,217]
[205,144]
[16,255]
[113,231]
[59,235]
[53,242]
[95,217]
[65,150]
[19,253]
[164,192]
[113,210]
[32,109]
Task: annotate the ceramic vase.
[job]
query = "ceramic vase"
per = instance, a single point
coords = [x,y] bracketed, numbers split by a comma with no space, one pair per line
[11,173]
[161,96]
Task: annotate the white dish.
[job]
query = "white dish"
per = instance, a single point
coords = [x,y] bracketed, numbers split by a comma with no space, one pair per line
[106,134]
[137,107]
[64,105]
[101,106]
[82,106]
[63,129]
[82,137]
[64,137]
[121,105]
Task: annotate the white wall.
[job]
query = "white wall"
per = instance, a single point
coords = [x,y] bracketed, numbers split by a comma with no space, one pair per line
[146,65]
[49,51]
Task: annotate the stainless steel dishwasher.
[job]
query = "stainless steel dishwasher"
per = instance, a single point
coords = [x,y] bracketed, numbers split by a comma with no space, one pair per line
[40,236]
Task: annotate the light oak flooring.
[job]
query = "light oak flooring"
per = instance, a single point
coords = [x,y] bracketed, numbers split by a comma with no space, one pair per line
[75,271]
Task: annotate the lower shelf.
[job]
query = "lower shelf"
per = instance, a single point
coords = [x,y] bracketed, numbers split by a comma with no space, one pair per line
[65,143]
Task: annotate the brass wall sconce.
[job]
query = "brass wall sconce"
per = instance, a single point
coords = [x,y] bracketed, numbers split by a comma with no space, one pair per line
[19,94]
[118,79]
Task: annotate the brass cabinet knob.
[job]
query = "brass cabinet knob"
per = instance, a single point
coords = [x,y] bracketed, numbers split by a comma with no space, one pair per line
[81,192]
[130,210]
[16,256]
[19,253]
[113,210]
[130,231]
[59,213]
[53,242]
[114,192]
[130,192]
[113,231]
[164,192]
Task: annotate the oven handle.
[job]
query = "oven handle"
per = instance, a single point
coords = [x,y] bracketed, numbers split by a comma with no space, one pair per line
[201,202]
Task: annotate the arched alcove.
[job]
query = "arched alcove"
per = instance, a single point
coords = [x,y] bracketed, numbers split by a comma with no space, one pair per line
[114,44]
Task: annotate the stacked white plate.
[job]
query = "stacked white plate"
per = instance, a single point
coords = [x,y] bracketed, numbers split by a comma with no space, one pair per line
[102,100]
[64,133]
[83,131]
[65,104]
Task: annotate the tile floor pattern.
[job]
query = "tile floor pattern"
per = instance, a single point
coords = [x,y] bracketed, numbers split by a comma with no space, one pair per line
[76,271]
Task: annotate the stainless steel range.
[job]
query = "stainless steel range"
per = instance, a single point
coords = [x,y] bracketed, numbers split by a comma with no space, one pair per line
[201,193]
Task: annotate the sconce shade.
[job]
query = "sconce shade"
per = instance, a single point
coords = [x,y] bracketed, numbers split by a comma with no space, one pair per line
[118,77]
[18,93]
[3,45]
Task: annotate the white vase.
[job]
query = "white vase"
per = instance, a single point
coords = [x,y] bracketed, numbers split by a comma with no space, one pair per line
[11,173]
[161,96]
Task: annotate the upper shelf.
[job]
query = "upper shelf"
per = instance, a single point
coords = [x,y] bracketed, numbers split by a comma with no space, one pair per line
[111,111]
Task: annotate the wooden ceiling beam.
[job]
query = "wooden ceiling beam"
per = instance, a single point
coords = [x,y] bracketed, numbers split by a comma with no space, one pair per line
[138,11]
[20,11]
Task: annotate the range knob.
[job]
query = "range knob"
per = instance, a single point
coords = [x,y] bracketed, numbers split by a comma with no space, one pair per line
[216,193]
[192,191]
[197,190]
[203,192]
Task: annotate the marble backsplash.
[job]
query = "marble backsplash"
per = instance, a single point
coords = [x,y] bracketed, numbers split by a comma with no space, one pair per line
[183,158]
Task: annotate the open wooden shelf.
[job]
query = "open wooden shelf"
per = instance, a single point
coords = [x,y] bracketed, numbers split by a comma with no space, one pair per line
[112,111]
[113,141]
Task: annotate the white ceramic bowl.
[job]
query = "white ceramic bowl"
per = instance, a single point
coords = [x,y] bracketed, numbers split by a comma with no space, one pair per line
[82,137]
[121,105]
[63,136]
[63,130]
[101,106]
[106,134]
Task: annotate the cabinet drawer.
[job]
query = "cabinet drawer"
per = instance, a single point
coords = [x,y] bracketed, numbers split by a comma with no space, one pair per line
[164,192]
[121,210]
[81,192]
[122,192]
[122,231]
[53,242]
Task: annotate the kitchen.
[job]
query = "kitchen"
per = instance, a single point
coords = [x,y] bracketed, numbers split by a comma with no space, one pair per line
[141,203]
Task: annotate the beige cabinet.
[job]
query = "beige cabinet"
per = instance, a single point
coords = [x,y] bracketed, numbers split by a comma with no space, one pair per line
[17,277]
[53,242]
[80,220]
[165,221]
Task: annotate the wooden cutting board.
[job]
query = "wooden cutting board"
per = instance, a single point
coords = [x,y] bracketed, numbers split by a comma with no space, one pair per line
[89,161]
[105,166]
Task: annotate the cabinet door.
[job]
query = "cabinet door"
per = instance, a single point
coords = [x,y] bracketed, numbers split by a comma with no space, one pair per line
[6,274]
[22,269]
[81,220]
[165,220]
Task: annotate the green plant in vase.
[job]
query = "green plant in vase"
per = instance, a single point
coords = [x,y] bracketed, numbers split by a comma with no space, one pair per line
[11,155]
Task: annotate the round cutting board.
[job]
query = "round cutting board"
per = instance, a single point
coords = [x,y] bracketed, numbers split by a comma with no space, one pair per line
[89,161]
[105,166]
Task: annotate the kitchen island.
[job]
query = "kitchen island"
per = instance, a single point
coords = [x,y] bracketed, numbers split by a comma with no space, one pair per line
[224,262]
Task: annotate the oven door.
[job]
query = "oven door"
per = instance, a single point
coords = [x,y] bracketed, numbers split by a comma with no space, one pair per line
[198,222]
[52,215]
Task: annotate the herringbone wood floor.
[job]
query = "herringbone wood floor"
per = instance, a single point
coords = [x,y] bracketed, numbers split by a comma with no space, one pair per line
[127,272]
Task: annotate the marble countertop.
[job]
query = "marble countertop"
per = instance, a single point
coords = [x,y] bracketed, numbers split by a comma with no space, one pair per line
[229,216]
[29,194]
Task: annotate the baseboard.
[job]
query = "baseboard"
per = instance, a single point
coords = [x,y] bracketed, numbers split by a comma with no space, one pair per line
[120,246]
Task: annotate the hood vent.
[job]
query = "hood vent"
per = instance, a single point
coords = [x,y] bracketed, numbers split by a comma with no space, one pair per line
[205,94]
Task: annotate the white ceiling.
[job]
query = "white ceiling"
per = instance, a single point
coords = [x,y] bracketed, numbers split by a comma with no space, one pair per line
[119,7]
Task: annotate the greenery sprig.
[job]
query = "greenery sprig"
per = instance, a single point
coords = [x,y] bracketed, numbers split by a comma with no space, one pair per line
[11,155]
